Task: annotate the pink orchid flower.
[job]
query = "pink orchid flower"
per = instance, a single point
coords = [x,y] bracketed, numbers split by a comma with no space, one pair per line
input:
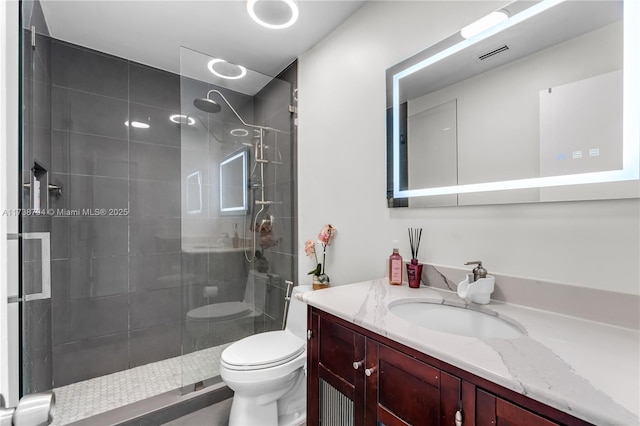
[309,247]
[327,234]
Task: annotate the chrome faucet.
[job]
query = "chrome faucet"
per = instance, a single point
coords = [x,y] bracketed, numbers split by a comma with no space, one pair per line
[479,271]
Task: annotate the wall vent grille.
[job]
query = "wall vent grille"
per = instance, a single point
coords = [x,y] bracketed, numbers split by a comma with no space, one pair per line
[335,408]
[493,52]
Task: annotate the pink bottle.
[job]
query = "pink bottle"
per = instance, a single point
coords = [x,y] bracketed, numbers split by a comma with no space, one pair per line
[395,267]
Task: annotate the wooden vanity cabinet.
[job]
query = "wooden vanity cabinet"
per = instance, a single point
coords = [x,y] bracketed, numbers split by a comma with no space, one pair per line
[331,375]
[492,410]
[356,377]
[411,391]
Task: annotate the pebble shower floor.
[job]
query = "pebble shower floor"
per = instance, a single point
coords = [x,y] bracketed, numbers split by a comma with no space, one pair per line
[84,399]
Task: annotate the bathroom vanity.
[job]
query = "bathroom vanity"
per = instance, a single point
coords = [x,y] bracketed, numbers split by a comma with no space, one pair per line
[368,365]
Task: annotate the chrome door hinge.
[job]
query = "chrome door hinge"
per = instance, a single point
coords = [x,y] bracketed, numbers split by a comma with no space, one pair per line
[293,109]
[309,334]
[33,37]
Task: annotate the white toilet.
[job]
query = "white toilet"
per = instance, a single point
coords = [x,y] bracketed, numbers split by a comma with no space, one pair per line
[267,373]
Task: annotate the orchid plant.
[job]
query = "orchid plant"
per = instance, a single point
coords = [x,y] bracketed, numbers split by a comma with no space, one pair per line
[325,237]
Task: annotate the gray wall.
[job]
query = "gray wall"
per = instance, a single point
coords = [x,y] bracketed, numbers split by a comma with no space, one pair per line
[272,109]
[117,278]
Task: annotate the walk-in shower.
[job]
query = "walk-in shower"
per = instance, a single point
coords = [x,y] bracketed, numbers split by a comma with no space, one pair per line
[134,278]
[248,249]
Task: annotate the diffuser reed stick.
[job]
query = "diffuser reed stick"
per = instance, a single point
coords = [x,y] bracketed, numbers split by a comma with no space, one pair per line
[415,235]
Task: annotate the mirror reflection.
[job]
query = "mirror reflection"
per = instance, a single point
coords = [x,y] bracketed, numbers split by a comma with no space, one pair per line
[233,182]
[514,113]
[194,192]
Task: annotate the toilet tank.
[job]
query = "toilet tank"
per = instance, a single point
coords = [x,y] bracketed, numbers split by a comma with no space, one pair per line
[297,317]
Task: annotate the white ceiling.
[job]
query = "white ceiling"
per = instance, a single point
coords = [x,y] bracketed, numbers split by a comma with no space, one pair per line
[152,31]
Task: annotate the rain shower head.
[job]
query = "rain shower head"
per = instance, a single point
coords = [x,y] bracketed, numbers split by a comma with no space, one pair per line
[207,105]
[210,106]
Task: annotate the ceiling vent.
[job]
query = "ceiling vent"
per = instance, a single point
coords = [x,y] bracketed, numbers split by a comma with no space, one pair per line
[493,52]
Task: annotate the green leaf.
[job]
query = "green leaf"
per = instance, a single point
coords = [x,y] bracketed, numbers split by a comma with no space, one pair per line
[315,271]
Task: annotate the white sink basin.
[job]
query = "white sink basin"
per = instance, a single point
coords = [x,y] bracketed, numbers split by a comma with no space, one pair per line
[456,320]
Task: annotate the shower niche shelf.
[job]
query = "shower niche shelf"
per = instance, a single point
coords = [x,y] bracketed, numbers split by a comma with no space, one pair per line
[39,188]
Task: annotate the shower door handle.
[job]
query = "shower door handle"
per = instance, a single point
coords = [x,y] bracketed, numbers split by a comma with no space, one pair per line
[45,250]
[35,409]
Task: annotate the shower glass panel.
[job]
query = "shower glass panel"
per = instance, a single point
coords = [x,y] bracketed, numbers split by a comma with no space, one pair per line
[35,224]
[238,210]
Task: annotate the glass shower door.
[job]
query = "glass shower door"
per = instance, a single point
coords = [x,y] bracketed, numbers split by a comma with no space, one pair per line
[35,200]
[238,222]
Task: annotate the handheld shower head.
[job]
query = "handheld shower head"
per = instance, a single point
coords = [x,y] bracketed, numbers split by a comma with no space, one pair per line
[207,105]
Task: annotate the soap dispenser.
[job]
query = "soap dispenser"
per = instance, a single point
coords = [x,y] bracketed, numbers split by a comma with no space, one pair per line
[478,286]
[478,271]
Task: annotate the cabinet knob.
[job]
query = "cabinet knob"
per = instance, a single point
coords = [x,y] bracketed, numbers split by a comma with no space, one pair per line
[309,334]
[358,364]
[458,418]
[370,371]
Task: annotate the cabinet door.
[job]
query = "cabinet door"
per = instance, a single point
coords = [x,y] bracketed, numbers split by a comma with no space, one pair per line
[336,378]
[411,392]
[491,410]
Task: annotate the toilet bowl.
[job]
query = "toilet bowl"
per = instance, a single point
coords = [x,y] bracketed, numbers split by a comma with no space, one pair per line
[266,371]
[223,322]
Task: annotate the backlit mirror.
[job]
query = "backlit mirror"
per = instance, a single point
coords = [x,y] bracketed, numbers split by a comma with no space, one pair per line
[541,107]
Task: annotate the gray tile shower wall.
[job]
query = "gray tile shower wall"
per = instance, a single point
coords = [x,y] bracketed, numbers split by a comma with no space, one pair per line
[117,301]
[272,109]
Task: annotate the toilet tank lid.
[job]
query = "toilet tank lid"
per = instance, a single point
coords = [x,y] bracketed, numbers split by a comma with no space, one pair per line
[302,288]
[264,349]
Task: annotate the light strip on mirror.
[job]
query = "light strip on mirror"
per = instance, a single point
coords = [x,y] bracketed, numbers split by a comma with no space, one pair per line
[631,111]
[484,23]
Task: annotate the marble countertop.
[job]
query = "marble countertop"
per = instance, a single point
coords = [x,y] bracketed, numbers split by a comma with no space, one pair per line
[588,369]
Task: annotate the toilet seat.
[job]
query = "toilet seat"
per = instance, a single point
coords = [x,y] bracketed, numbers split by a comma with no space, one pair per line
[263,350]
[219,311]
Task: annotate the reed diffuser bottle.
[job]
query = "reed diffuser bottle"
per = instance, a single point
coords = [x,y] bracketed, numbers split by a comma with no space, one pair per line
[414,269]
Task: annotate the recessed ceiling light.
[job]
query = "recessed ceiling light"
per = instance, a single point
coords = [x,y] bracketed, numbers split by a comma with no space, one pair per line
[484,23]
[182,119]
[224,69]
[239,132]
[137,125]
[274,14]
